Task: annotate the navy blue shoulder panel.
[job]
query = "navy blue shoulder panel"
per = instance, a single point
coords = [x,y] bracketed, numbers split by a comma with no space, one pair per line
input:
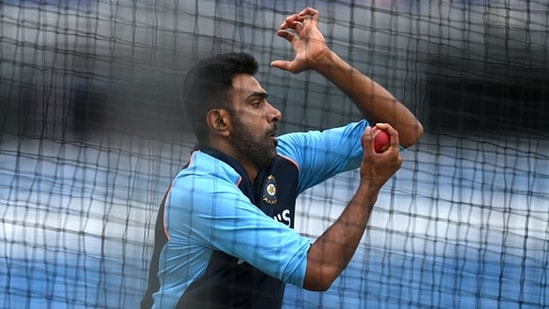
[227,282]
[160,240]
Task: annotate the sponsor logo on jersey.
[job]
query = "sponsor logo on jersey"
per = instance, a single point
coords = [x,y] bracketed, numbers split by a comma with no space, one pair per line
[284,217]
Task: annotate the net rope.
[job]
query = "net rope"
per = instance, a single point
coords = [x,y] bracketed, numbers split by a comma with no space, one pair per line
[91,135]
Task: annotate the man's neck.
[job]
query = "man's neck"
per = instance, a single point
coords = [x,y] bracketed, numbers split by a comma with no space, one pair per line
[251,169]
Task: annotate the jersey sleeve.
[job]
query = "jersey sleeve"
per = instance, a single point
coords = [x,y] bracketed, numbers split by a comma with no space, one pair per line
[227,221]
[323,154]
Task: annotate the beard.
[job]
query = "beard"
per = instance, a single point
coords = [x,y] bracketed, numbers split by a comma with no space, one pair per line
[261,151]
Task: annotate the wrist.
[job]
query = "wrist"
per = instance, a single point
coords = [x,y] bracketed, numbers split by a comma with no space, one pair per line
[332,67]
[367,192]
[325,61]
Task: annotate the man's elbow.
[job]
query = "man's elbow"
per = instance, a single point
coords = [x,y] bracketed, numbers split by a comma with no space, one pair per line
[413,135]
[322,279]
[318,286]
[418,132]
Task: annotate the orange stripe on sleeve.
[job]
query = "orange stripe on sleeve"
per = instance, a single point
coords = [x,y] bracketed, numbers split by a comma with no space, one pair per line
[164,225]
[164,211]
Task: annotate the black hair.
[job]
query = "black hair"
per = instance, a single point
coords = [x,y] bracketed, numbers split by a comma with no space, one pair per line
[207,84]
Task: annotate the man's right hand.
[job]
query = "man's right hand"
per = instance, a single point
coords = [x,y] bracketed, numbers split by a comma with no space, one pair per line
[377,168]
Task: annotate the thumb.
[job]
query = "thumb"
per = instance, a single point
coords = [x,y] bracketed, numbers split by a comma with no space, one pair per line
[281,64]
[367,139]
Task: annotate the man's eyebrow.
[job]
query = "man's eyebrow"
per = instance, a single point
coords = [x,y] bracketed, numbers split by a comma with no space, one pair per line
[258,94]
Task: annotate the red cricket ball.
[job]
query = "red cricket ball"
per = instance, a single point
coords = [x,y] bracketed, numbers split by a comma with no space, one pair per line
[382,140]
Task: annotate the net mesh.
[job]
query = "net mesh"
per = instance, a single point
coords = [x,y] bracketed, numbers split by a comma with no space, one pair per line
[91,135]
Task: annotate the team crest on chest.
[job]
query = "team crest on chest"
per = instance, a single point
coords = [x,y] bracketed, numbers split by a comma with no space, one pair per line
[269,190]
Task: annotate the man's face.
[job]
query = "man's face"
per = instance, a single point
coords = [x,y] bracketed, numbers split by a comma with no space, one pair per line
[253,122]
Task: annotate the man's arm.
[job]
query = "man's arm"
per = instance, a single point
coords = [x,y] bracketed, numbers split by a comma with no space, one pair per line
[333,250]
[373,101]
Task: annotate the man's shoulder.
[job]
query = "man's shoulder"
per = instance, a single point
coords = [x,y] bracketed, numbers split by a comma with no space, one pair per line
[343,129]
[290,142]
[204,168]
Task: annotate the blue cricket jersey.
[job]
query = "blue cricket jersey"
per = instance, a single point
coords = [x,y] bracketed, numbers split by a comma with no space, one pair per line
[222,241]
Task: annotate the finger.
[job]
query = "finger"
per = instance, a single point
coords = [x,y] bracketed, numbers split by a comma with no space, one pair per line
[395,139]
[290,20]
[383,126]
[295,25]
[312,13]
[298,26]
[368,140]
[281,64]
[393,134]
[286,35]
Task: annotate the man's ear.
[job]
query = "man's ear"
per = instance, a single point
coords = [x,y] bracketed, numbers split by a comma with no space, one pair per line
[219,121]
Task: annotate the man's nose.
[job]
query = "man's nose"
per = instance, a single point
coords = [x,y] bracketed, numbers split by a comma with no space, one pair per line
[275,114]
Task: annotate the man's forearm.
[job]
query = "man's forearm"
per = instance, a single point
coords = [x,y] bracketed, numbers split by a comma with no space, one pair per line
[332,251]
[374,101]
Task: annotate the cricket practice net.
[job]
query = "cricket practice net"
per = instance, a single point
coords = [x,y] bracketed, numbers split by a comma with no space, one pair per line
[91,134]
